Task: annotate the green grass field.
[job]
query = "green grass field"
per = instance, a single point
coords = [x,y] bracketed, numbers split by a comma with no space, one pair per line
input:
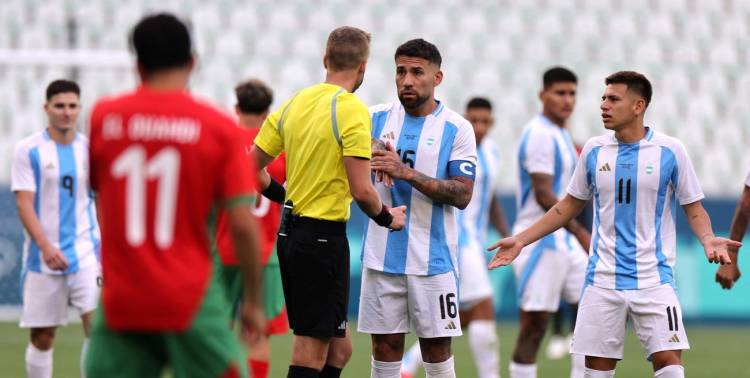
[716,352]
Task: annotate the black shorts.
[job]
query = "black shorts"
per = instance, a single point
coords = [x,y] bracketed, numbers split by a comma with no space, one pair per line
[314,262]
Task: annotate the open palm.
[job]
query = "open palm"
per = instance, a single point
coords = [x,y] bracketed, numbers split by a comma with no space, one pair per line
[509,248]
[716,250]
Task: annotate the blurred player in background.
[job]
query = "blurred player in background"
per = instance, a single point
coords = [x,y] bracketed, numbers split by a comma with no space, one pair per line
[475,291]
[324,130]
[728,274]
[162,164]
[409,278]
[49,177]
[553,268]
[254,99]
[636,177]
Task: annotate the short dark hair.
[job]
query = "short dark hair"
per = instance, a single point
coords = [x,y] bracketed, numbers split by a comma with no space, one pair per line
[479,102]
[419,48]
[558,75]
[253,96]
[347,47]
[636,82]
[62,86]
[161,41]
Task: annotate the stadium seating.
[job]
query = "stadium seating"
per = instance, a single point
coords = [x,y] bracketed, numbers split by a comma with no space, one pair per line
[694,51]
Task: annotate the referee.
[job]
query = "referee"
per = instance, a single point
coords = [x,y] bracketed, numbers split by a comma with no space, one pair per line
[325,132]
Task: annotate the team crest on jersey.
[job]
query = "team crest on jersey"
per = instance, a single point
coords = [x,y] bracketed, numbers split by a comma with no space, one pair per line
[430,141]
[649,168]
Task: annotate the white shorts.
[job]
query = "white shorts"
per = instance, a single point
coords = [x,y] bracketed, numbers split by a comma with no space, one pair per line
[545,275]
[46,296]
[603,314]
[391,303]
[474,280]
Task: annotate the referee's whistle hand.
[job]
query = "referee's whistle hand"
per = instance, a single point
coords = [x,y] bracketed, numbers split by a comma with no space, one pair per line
[399,217]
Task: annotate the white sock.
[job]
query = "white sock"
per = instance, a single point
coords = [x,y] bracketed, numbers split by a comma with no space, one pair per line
[485,347]
[522,370]
[412,359]
[84,351]
[382,369]
[577,365]
[591,373]
[440,369]
[38,362]
[670,371]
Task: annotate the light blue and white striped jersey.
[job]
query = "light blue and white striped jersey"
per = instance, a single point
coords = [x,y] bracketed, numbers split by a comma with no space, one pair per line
[547,149]
[474,220]
[439,145]
[63,201]
[636,188]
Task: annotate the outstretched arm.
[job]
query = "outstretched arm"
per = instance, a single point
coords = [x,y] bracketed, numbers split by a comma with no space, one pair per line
[727,275]
[714,247]
[558,216]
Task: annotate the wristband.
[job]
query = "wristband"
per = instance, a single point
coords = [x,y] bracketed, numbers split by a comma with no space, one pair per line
[275,192]
[383,219]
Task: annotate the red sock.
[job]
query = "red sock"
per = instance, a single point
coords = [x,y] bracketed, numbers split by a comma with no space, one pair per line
[259,368]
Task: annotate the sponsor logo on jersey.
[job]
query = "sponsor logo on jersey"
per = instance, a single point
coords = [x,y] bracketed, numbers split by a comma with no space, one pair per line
[451,325]
[605,168]
[674,339]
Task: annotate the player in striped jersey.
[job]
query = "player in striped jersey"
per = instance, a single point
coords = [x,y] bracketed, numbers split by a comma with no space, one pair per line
[728,274]
[409,276]
[636,177]
[476,310]
[553,268]
[56,207]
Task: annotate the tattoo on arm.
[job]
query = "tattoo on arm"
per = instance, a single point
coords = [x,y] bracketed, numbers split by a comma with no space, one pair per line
[557,210]
[452,191]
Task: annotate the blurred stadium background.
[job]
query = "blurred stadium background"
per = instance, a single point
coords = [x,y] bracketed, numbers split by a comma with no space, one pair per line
[695,52]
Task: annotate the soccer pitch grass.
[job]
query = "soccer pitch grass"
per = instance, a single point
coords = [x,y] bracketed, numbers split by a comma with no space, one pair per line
[717,351]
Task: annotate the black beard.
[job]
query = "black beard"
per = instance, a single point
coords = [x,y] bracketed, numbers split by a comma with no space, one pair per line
[413,104]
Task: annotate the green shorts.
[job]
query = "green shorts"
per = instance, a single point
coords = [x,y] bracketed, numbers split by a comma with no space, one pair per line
[273,294]
[207,349]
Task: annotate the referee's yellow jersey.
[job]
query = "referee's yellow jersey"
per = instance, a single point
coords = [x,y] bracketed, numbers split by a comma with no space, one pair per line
[316,128]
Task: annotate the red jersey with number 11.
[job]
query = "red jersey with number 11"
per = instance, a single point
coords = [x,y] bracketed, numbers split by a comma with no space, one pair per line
[160,161]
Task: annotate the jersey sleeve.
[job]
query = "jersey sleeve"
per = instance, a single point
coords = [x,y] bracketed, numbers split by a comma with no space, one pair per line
[463,158]
[686,184]
[540,153]
[354,126]
[22,172]
[581,184]
[269,138]
[238,183]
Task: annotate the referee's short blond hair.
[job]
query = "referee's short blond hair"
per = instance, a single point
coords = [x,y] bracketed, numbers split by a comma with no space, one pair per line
[347,48]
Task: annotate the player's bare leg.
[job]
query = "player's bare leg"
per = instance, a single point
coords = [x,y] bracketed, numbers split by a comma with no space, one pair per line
[479,321]
[308,353]
[668,364]
[39,353]
[600,367]
[437,357]
[533,325]
[339,353]
[258,356]
[86,323]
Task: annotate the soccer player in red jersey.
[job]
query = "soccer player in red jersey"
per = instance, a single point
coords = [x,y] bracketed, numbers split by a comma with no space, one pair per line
[162,164]
[254,99]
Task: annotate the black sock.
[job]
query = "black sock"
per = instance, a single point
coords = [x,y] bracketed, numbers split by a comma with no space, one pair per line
[302,372]
[330,372]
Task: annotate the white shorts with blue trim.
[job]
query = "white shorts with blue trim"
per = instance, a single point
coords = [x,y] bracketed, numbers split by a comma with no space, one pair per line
[399,303]
[474,279]
[546,275]
[603,314]
[46,296]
